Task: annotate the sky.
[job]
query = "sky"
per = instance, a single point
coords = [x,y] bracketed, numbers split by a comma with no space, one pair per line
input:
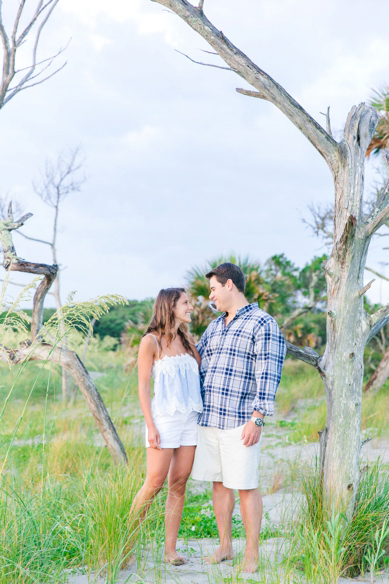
[180,168]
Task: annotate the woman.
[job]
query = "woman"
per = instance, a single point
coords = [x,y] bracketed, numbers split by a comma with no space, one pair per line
[168,353]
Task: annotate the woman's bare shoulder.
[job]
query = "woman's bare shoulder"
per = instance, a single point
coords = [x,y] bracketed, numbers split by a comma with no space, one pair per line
[148,343]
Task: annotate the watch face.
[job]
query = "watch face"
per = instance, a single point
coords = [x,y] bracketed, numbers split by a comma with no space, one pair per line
[258,422]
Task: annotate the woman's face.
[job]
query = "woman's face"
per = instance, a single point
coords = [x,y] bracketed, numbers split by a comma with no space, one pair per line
[183,308]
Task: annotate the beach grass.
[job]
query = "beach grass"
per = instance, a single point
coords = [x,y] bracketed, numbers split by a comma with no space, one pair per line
[65,507]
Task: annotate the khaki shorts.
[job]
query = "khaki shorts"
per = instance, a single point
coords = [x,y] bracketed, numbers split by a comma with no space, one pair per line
[222,457]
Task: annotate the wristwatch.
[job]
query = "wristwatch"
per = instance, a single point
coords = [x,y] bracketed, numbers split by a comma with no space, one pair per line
[258,421]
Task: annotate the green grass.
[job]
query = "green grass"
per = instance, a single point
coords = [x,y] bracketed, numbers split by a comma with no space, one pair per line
[65,506]
[302,393]
[326,546]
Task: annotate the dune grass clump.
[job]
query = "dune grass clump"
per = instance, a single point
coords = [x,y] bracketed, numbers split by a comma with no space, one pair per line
[79,516]
[327,546]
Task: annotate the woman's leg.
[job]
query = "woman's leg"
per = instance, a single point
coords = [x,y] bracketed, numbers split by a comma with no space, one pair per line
[181,465]
[158,462]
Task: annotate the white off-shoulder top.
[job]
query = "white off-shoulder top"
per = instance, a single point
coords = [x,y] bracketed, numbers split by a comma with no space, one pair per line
[176,385]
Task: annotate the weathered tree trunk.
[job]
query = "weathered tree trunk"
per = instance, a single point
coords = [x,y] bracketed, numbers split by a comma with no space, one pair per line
[347,325]
[37,350]
[380,375]
[349,328]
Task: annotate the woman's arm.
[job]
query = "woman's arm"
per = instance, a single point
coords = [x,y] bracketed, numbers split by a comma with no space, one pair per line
[147,352]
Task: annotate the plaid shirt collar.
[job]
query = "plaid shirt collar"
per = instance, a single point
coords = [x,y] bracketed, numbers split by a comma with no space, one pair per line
[243,310]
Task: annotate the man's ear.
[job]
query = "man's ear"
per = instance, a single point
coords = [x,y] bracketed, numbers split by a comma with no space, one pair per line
[229,284]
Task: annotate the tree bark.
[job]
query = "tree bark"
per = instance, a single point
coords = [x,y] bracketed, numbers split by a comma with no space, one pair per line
[348,326]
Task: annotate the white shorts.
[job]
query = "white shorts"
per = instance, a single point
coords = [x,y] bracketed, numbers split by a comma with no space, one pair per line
[222,457]
[176,430]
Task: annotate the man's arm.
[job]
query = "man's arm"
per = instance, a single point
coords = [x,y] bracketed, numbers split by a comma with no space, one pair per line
[270,351]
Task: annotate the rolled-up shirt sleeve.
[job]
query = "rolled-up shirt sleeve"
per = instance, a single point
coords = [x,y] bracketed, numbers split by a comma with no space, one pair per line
[269,351]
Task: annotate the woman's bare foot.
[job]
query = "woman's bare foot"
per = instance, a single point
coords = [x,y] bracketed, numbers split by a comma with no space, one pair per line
[174,559]
[220,555]
[249,564]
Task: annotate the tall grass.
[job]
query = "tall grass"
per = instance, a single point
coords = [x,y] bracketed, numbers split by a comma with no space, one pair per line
[64,506]
[325,546]
[78,521]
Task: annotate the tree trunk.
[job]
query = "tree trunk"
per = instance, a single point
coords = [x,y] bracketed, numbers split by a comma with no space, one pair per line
[347,326]
[380,375]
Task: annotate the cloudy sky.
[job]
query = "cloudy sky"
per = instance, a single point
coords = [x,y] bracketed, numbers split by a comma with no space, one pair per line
[181,168]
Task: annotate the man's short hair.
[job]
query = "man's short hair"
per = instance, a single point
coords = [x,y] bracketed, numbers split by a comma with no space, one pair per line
[226,272]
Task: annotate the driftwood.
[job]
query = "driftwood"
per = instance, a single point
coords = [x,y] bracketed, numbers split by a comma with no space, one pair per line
[349,327]
[35,349]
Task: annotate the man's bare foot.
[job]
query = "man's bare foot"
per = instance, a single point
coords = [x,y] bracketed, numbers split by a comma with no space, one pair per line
[174,559]
[250,564]
[220,555]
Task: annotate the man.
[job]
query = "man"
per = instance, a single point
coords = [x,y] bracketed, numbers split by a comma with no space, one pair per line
[242,355]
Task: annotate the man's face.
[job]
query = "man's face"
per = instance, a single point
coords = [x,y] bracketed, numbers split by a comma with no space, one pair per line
[220,295]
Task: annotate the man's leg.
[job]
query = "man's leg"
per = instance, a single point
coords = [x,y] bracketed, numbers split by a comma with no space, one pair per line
[223,504]
[251,509]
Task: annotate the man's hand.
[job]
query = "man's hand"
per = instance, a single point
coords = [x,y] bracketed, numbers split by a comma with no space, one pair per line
[251,434]
[154,438]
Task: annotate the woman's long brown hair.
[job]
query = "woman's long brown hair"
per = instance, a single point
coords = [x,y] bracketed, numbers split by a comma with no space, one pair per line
[163,320]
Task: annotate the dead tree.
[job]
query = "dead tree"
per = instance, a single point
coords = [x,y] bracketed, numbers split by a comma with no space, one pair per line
[14,80]
[59,180]
[36,349]
[349,327]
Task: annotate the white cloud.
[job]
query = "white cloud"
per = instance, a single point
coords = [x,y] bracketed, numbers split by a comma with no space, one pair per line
[351,75]
[99,41]
[144,137]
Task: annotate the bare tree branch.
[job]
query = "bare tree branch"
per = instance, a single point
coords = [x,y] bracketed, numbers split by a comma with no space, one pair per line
[322,221]
[328,121]
[205,64]
[377,321]
[377,273]
[34,238]
[305,354]
[11,43]
[366,288]
[21,87]
[378,220]
[61,177]
[250,93]
[260,80]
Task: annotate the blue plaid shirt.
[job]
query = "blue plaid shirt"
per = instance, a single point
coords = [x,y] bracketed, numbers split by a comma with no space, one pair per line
[241,367]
